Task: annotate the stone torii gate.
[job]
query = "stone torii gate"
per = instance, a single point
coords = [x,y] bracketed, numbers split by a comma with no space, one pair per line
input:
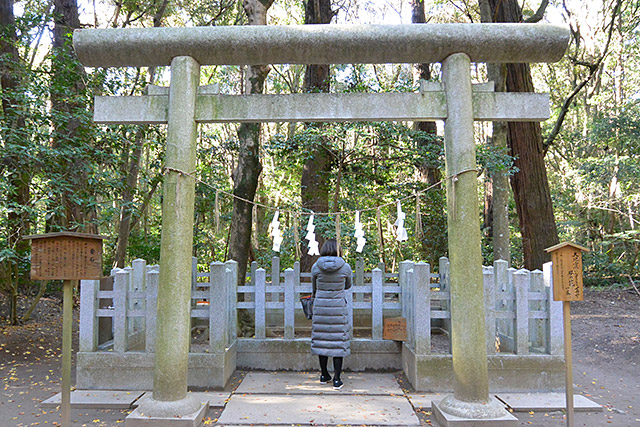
[455,101]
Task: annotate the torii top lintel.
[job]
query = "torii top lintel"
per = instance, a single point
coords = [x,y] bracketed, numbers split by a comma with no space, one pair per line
[321,44]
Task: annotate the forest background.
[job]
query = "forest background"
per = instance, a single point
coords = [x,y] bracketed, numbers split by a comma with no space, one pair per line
[575,177]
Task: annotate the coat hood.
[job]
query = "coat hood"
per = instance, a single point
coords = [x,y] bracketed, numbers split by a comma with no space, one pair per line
[330,263]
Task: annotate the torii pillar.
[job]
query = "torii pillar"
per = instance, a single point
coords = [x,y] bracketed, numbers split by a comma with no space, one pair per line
[454,45]
[468,340]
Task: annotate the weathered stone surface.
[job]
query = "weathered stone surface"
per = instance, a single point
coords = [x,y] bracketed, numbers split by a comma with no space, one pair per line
[216,399]
[325,107]
[88,336]
[468,342]
[275,354]
[525,402]
[187,412]
[423,400]
[446,420]
[134,371]
[507,372]
[173,324]
[320,44]
[475,410]
[294,409]
[308,383]
[98,399]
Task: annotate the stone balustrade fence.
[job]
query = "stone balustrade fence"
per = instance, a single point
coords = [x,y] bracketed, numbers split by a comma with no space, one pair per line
[118,318]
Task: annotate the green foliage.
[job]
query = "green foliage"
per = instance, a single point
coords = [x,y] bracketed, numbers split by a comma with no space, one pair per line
[599,204]
[60,153]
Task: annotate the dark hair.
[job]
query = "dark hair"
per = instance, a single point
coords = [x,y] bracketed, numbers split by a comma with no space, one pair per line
[329,248]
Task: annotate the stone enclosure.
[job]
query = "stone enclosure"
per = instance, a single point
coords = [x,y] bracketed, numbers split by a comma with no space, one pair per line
[117,332]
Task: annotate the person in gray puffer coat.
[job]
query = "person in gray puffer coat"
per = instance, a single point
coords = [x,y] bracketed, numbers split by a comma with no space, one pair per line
[330,277]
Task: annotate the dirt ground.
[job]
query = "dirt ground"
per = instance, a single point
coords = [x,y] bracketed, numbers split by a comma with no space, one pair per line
[606,349]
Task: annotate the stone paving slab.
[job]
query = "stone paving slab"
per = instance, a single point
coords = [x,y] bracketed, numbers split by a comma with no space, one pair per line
[138,419]
[274,409]
[444,419]
[217,399]
[423,400]
[309,383]
[97,399]
[525,402]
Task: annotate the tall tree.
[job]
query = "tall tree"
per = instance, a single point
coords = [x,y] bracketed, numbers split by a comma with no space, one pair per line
[132,169]
[71,124]
[433,240]
[530,184]
[247,172]
[15,154]
[317,164]
[496,215]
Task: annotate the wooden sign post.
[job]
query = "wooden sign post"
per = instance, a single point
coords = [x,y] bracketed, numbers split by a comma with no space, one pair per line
[566,261]
[70,257]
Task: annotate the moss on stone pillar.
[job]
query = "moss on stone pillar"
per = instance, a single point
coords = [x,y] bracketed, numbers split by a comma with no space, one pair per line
[173,328]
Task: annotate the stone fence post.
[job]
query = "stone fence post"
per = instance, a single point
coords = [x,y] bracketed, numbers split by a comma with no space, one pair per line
[555,335]
[260,303]
[377,299]
[405,294]
[231,282]
[88,335]
[289,304]
[151,309]
[443,272]
[490,308]
[296,279]
[521,281]
[540,327]
[120,320]
[359,278]
[217,307]
[421,307]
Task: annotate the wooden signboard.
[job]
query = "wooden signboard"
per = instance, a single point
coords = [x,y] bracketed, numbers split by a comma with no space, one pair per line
[567,271]
[70,257]
[566,261]
[395,329]
[66,256]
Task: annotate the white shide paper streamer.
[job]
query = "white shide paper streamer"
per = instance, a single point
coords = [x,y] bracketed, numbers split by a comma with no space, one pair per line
[275,232]
[401,232]
[311,237]
[359,234]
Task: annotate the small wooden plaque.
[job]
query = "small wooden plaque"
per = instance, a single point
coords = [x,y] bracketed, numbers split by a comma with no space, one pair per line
[395,328]
[66,256]
[567,271]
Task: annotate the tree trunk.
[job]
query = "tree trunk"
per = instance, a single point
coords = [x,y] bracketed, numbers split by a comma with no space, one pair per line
[429,173]
[314,187]
[433,242]
[247,172]
[133,169]
[497,184]
[127,199]
[71,123]
[14,162]
[530,185]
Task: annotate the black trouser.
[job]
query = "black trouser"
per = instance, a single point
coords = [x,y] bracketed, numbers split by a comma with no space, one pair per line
[337,366]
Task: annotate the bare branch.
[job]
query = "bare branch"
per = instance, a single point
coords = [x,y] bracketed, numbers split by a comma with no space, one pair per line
[592,72]
[633,284]
[536,17]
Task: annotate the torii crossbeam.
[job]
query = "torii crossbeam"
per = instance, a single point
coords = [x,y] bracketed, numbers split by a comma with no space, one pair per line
[185,105]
